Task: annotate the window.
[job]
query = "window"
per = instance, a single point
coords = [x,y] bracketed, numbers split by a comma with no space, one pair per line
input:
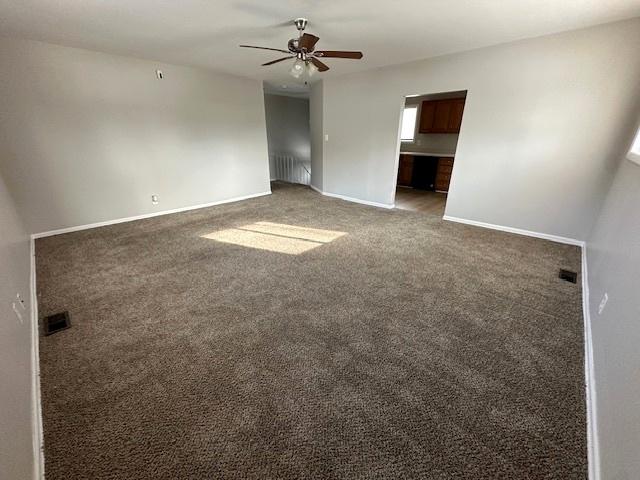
[408,130]
[634,153]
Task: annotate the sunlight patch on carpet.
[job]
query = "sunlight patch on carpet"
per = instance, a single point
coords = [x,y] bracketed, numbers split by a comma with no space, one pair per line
[276,237]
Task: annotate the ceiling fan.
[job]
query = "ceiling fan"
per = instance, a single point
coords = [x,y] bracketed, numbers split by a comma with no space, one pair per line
[303,50]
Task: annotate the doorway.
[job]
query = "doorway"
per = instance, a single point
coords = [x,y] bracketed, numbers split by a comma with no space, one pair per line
[288,137]
[429,133]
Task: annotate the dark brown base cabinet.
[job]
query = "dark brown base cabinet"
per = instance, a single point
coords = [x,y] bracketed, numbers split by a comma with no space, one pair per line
[405,170]
[443,174]
[408,172]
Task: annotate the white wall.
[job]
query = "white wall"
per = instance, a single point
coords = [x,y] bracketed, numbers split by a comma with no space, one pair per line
[316,108]
[613,255]
[535,148]
[16,449]
[287,128]
[88,137]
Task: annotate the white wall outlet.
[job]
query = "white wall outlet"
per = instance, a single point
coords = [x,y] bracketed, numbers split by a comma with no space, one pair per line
[159,74]
[154,199]
[326,137]
[603,303]
[21,302]
[17,312]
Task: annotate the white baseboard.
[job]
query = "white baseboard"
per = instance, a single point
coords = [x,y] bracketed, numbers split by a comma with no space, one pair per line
[593,447]
[316,189]
[146,215]
[518,231]
[36,404]
[354,200]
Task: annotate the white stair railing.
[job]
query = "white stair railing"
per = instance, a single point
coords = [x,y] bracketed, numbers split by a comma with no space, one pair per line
[291,169]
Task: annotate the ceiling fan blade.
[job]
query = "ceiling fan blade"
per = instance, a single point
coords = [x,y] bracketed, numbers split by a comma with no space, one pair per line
[339,54]
[319,65]
[276,61]
[266,48]
[308,41]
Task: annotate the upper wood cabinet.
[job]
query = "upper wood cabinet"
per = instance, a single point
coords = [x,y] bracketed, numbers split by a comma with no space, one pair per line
[427,116]
[455,116]
[441,116]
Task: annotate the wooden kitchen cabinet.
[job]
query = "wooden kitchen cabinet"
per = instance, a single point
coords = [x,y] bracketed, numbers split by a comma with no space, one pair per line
[427,116]
[455,114]
[441,116]
[443,174]
[405,170]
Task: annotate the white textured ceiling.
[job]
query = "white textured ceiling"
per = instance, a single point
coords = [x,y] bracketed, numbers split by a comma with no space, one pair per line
[206,33]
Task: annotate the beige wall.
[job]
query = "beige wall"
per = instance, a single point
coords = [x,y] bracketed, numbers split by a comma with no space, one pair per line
[540,122]
[89,137]
[16,449]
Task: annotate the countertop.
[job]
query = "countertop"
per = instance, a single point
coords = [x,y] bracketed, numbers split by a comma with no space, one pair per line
[428,154]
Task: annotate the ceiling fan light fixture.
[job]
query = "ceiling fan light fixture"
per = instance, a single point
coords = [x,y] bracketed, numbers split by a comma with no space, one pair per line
[311,69]
[297,69]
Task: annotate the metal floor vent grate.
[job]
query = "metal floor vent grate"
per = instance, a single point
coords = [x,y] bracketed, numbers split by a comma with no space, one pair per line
[568,275]
[56,322]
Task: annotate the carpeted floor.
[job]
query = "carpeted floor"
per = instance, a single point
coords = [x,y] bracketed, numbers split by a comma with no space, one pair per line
[381,345]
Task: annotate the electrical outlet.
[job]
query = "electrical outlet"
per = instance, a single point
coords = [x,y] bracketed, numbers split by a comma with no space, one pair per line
[154,199]
[159,74]
[326,137]
[17,312]
[603,303]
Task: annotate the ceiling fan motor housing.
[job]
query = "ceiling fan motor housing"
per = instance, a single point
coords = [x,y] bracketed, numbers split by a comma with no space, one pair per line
[293,45]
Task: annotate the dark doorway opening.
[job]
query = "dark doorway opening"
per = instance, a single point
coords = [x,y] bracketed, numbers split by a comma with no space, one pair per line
[428,139]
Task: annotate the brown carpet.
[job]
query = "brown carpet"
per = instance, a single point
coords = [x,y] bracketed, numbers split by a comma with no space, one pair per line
[408,347]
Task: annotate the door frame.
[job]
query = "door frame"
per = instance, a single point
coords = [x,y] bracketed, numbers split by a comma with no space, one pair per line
[396,161]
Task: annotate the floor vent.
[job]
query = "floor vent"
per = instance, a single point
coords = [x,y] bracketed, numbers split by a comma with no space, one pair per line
[568,275]
[56,322]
